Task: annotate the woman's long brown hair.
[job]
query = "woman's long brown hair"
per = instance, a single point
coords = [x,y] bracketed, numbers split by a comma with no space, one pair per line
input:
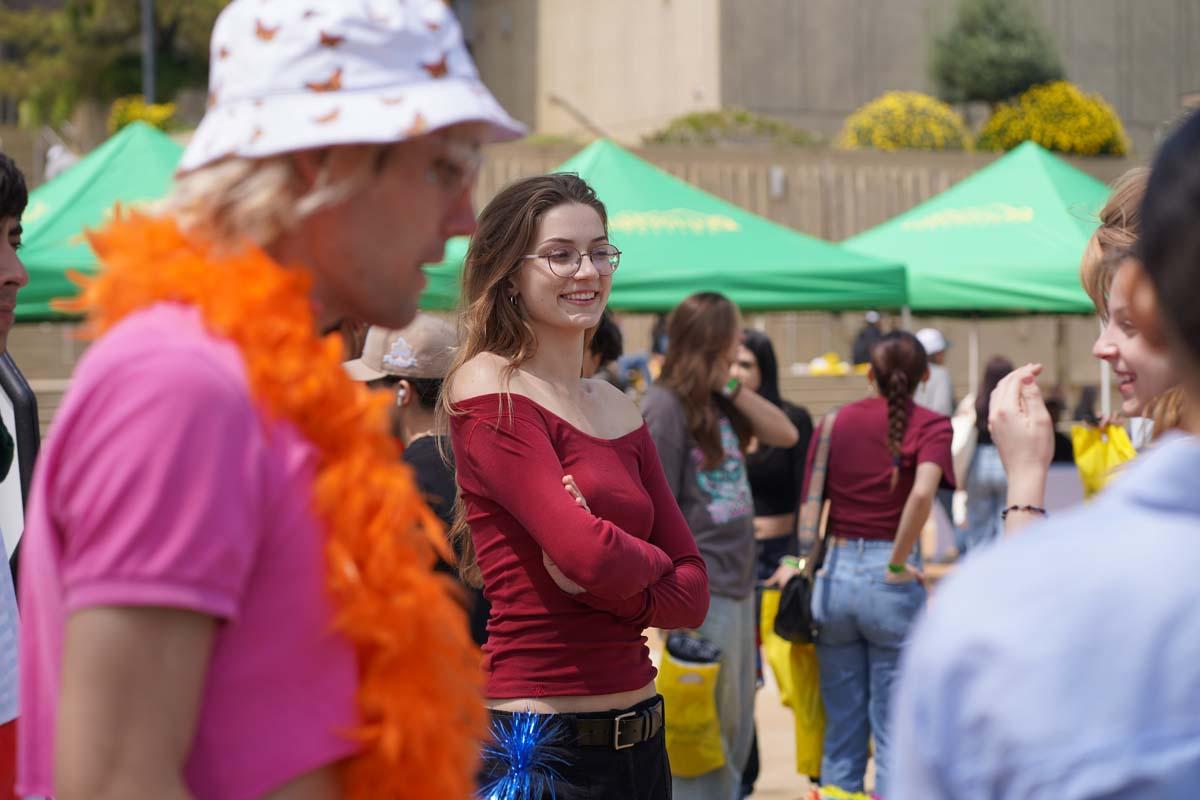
[898,362]
[699,333]
[490,322]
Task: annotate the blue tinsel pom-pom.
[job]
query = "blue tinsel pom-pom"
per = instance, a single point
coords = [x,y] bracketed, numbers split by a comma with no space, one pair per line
[524,744]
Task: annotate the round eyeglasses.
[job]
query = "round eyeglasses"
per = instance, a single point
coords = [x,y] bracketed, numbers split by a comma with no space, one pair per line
[565,260]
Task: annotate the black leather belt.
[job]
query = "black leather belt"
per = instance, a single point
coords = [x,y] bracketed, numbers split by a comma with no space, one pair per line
[619,732]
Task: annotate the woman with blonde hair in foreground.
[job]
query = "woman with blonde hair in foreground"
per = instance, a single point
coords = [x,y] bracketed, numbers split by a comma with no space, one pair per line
[1147,381]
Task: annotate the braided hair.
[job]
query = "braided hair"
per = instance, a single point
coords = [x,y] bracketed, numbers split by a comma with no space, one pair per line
[898,362]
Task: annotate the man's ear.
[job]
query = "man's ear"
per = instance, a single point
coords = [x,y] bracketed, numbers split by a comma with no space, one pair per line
[1143,303]
[925,377]
[404,393]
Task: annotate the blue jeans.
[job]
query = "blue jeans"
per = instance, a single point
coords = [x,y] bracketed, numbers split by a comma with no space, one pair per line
[729,625]
[864,620]
[987,492]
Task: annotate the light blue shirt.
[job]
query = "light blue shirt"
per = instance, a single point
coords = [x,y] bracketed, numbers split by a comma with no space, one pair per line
[1064,663]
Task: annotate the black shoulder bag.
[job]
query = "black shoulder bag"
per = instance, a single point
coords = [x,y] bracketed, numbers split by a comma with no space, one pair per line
[794,620]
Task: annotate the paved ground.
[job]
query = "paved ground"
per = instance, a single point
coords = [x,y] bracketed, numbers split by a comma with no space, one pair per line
[777,778]
[777,740]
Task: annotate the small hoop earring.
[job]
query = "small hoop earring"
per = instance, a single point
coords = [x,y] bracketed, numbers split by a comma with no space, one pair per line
[512,298]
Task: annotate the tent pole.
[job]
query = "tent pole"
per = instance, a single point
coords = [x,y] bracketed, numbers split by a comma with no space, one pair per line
[905,318]
[1105,386]
[973,357]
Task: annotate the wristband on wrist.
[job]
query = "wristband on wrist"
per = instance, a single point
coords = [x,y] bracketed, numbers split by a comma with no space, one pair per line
[790,561]
[1025,508]
[732,387]
[895,569]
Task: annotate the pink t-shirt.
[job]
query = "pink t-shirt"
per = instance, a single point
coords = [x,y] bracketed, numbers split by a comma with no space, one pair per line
[162,485]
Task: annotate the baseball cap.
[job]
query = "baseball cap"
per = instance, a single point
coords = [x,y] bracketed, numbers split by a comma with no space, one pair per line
[292,75]
[872,317]
[932,340]
[423,349]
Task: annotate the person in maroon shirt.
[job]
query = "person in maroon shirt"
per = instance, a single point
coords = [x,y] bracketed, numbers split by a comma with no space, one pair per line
[887,458]
[566,516]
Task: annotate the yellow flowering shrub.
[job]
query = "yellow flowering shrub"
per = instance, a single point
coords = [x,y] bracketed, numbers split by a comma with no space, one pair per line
[134,108]
[1060,117]
[905,121]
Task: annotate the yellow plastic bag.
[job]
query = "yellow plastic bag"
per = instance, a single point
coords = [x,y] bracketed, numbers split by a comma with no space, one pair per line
[693,733]
[1098,454]
[795,670]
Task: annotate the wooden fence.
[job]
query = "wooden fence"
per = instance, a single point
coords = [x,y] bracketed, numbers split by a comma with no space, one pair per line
[826,193]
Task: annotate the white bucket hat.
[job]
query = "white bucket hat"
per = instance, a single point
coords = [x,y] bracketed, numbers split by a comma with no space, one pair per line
[290,75]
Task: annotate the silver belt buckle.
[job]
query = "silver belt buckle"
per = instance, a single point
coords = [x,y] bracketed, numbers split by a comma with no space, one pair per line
[617,730]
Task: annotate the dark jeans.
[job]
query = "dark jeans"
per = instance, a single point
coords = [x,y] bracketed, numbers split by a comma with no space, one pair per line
[641,772]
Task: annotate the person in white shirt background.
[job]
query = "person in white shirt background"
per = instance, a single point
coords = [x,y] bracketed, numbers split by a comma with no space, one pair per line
[937,391]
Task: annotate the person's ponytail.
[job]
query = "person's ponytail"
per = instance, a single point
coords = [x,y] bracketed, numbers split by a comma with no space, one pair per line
[898,362]
[898,394]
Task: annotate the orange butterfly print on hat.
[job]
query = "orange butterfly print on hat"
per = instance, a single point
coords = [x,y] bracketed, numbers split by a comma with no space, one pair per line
[417,127]
[331,84]
[263,32]
[437,69]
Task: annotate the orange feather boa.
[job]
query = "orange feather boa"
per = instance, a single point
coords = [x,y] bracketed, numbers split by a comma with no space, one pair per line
[420,682]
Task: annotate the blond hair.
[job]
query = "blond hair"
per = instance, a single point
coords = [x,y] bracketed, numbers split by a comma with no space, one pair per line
[1115,238]
[258,200]
[1112,244]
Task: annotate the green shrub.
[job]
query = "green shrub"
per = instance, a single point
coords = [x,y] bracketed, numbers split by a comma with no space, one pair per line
[996,49]
[729,125]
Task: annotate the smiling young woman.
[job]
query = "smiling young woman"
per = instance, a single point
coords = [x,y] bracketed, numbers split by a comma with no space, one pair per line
[564,513]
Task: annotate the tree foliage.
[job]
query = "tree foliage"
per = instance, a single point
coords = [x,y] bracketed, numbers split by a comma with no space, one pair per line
[996,49]
[91,49]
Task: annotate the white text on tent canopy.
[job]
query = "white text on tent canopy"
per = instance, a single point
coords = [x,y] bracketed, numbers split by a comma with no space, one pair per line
[991,214]
[674,220]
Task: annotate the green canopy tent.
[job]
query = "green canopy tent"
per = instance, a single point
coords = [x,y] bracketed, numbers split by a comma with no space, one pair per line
[677,239]
[132,167]
[1006,240]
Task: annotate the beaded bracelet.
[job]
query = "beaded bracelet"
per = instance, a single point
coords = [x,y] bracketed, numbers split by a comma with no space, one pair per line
[1029,509]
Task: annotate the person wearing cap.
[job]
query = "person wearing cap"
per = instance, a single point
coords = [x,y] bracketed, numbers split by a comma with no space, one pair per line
[867,337]
[411,364]
[228,588]
[937,391]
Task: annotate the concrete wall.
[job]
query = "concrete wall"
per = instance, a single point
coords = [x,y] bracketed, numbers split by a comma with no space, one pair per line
[620,68]
[628,65]
[503,36]
[815,61]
